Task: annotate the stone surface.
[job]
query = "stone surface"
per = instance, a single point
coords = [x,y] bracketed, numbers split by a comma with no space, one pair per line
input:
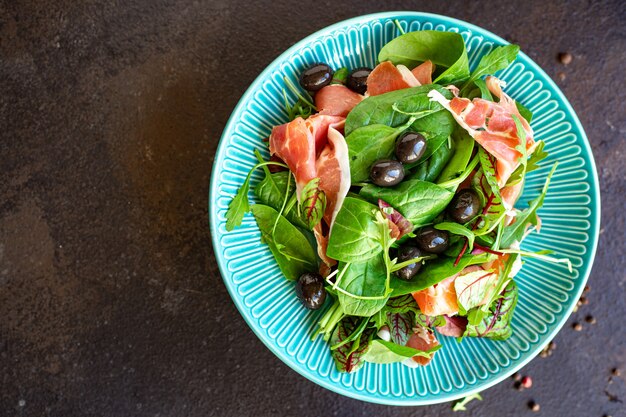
[111,303]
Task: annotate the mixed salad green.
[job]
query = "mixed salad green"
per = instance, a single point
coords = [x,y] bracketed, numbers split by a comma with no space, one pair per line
[389,199]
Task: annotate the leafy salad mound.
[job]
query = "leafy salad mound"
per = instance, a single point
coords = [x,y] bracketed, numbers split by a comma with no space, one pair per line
[389,199]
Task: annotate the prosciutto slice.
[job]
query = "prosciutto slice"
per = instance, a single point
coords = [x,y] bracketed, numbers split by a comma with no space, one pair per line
[424,72]
[294,143]
[299,142]
[491,125]
[333,169]
[387,77]
[336,100]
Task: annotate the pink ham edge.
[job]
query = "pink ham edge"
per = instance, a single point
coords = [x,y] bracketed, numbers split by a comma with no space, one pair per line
[408,76]
[424,72]
[298,142]
[387,77]
[333,169]
[294,143]
[500,135]
[336,100]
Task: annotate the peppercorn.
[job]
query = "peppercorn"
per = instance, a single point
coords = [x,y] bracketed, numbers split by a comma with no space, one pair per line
[565,58]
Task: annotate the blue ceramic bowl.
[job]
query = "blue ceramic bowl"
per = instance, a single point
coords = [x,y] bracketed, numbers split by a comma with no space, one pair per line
[547,292]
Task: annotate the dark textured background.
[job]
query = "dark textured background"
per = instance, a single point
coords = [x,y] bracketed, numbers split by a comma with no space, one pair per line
[111,303]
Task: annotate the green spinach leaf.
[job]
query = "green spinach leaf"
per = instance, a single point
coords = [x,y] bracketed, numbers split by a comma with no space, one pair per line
[431,168]
[355,236]
[418,201]
[368,144]
[291,249]
[463,145]
[444,49]
[271,191]
[365,280]
[380,110]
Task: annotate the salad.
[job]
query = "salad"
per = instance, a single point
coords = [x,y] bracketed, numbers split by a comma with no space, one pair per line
[389,199]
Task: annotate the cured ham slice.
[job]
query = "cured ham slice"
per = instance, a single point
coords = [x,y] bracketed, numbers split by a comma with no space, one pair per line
[298,142]
[441,298]
[438,299]
[455,326]
[333,169]
[491,125]
[294,143]
[336,100]
[387,77]
[424,72]
[318,125]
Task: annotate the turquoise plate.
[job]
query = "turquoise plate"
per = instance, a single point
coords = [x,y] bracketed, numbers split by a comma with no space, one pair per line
[547,292]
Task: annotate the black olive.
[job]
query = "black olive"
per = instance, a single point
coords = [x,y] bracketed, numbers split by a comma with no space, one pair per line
[310,290]
[410,147]
[357,80]
[406,253]
[387,172]
[432,240]
[316,76]
[464,206]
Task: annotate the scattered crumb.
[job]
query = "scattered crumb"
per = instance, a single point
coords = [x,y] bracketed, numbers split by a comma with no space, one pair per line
[565,58]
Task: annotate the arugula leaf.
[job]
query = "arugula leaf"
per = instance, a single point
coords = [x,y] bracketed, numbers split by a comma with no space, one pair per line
[537,156]
[350,356]
[485,94]
[240,205]
[472,288]
[418,201]
[434,272]
[444,49]
[291,249]
[460,405]
[496,325]
[383,352]
[515,231]
[355,236]
[271,190]
[463,145]
[458,229]
[313,203]
[362,286]
[496,60]
[380,110]
[368,144]
[524,111]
